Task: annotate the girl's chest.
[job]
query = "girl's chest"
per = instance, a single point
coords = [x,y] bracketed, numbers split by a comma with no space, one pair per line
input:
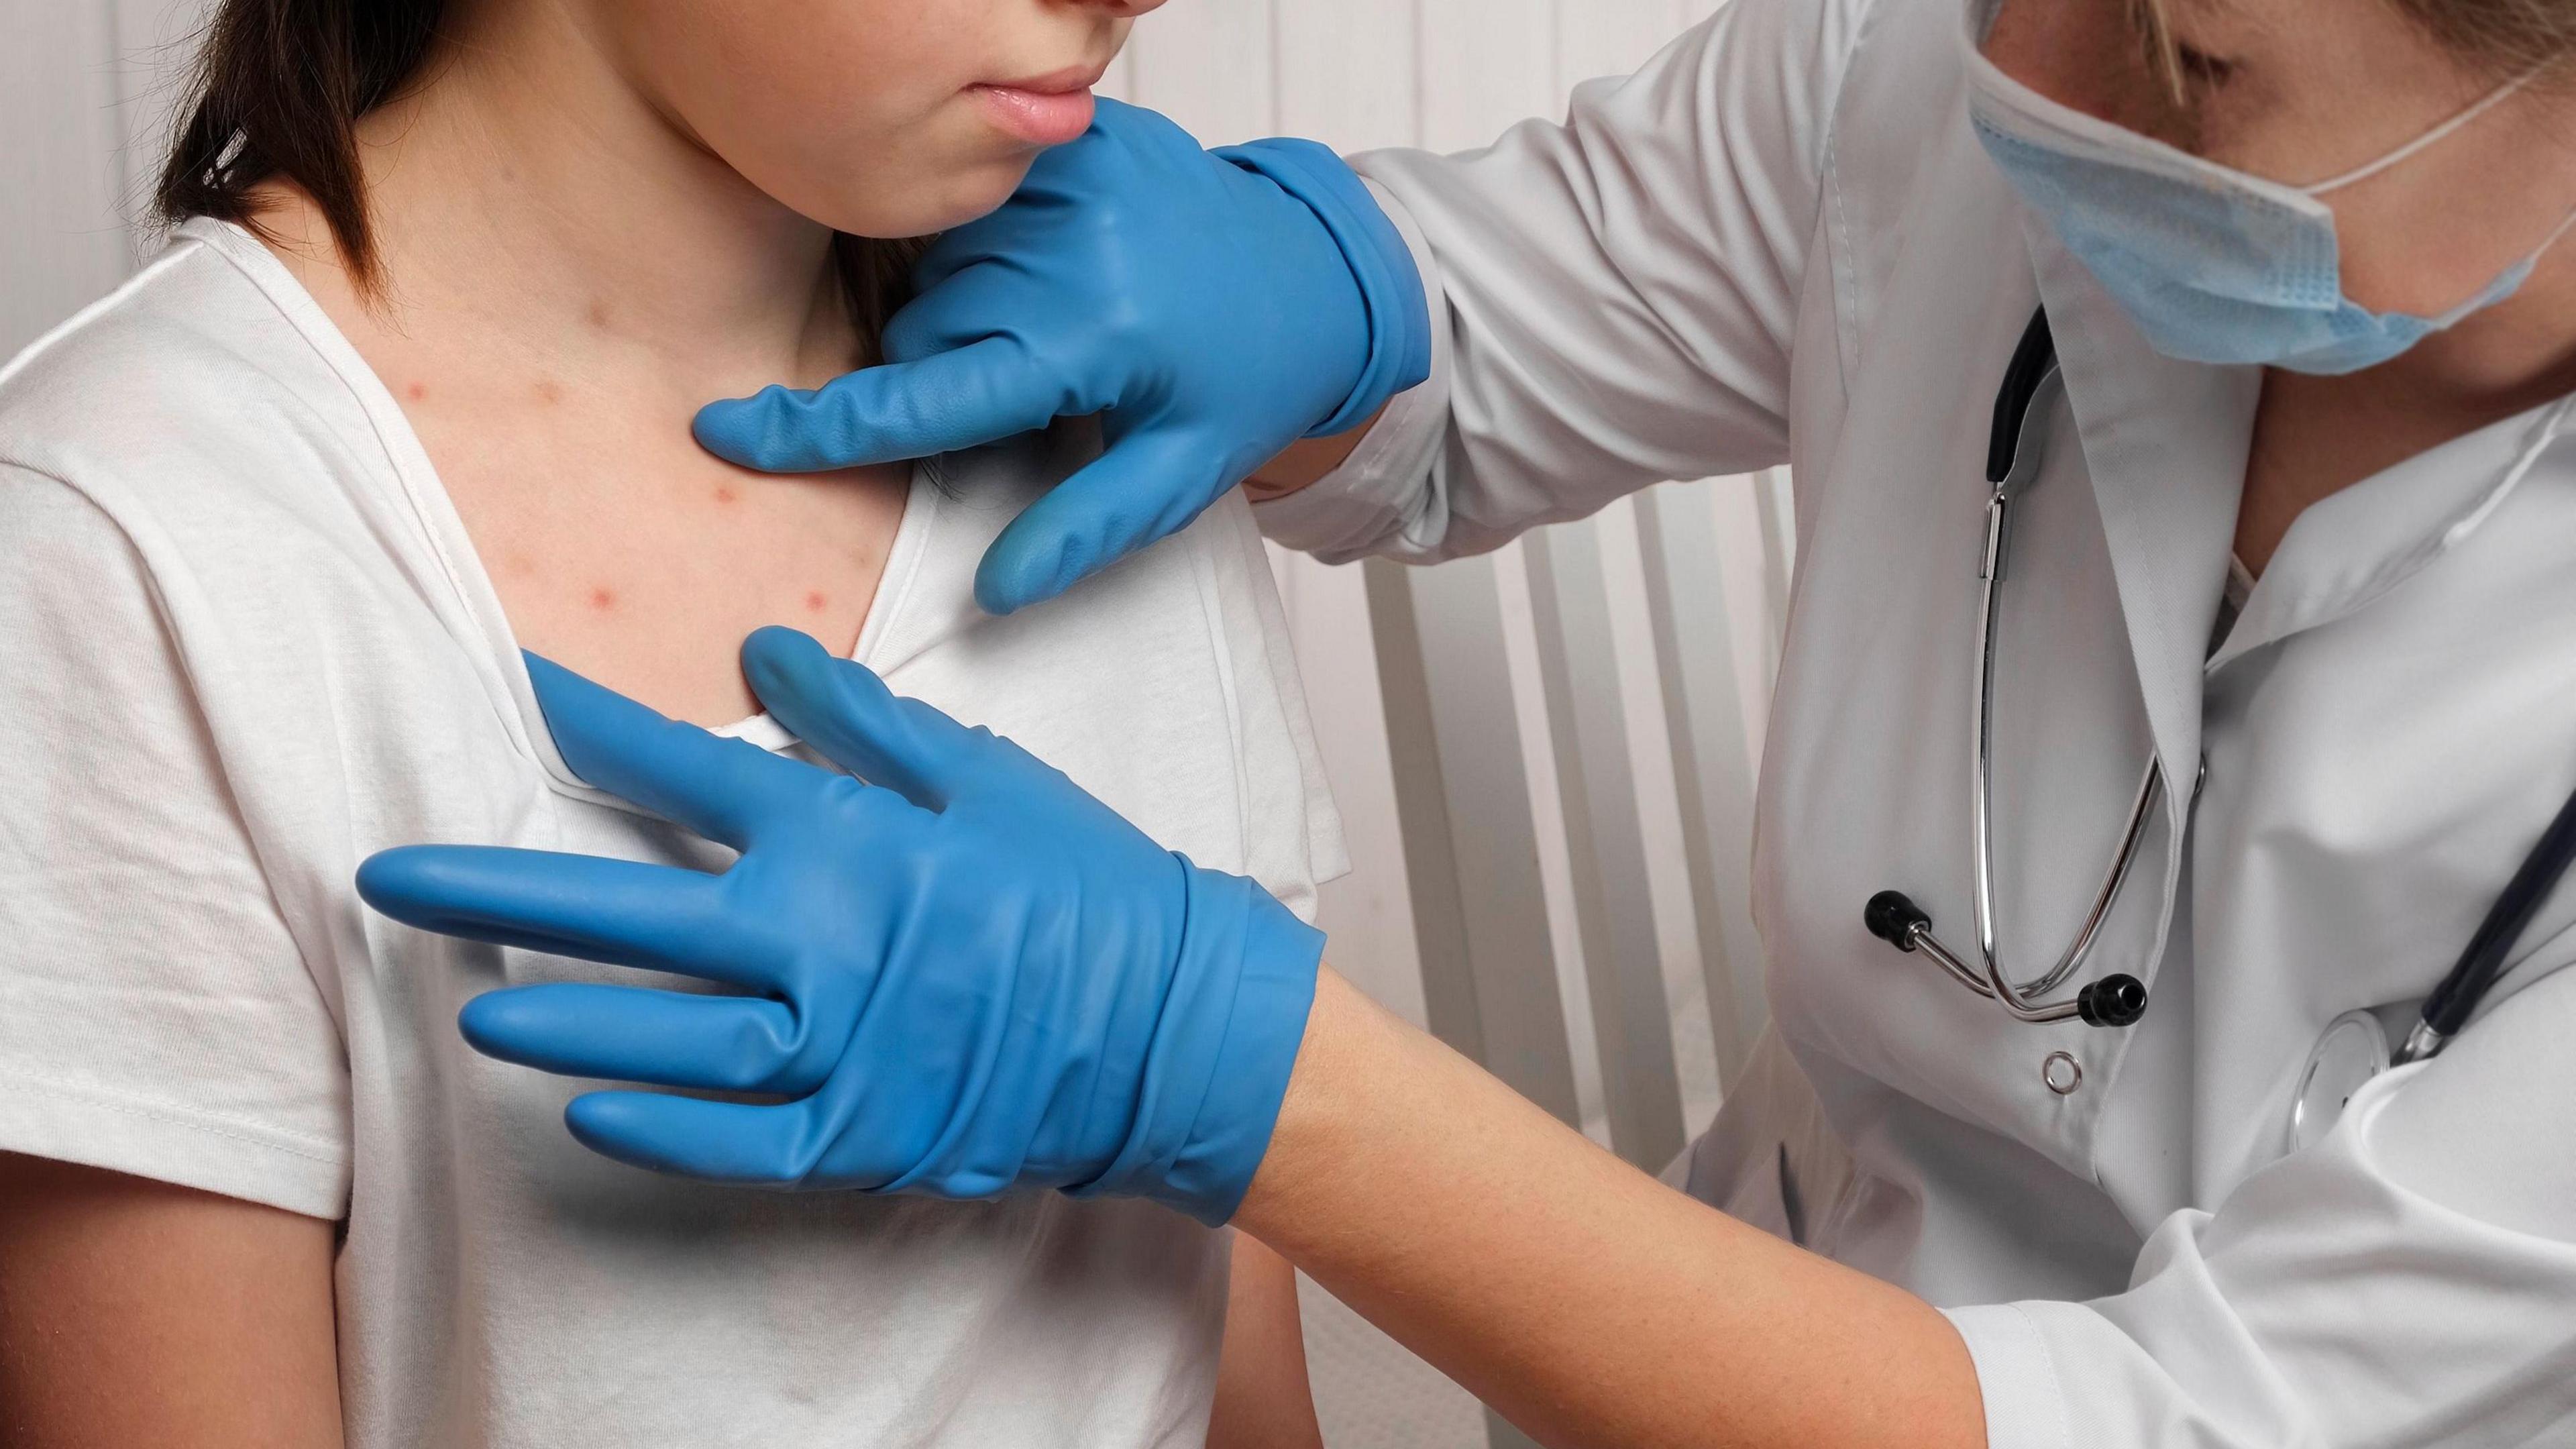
[629,555]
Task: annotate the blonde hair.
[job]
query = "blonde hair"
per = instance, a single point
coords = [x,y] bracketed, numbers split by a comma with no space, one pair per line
[2505,38]
[2164,57]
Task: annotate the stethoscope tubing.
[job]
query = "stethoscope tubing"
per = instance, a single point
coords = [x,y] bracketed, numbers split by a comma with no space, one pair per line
[2469,981]
[2017,471]
[2012,463]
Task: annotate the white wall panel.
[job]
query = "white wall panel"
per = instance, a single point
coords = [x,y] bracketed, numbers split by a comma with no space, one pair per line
[155,43]
[1700,680]
[59,204]
[1597,776]
[1515,597]
[1611,37]
[1486,64]
[1348,72]
[1210,65]
[84,102]
[1695,1022]
[1120,82]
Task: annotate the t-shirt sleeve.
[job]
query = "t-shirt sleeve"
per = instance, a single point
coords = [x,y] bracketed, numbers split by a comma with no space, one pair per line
[156,1015]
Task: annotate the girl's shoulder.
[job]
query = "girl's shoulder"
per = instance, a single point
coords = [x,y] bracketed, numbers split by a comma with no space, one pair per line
[222,436]
[194,483]
[201,390]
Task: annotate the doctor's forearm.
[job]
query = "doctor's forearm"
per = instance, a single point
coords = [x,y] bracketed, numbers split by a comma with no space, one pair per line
[1589,1303]
[1306,461]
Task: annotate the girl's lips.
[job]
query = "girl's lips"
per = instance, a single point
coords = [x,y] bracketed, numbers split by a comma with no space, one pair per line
[1044,118]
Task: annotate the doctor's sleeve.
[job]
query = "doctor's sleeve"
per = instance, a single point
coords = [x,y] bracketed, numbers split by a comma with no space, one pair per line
[156,1015]
[1613,297]
[2409,1281]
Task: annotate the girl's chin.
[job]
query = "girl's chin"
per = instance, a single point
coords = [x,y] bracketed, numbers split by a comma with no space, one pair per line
[934,202]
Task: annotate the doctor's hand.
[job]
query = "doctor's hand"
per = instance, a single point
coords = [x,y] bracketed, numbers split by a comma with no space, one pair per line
[1212,307]
[962,972]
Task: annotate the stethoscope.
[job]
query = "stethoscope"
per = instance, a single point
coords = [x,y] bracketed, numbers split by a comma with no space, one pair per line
[2354,1047]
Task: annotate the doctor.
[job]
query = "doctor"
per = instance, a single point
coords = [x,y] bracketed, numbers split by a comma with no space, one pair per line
[2294,522]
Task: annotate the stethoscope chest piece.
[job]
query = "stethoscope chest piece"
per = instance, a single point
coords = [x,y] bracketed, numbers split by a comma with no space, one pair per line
[2349,1052]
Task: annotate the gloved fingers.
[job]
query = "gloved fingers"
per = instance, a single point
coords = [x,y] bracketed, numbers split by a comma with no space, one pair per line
[984,240]
[997,303]
[1149,485]
[622,912]
[1077,365]
[980,393]
[846,712]
[970,277]
[720,788]
[781,1146]
[628,1034]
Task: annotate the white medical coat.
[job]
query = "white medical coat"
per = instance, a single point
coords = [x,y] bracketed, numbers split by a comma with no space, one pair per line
[1781,243]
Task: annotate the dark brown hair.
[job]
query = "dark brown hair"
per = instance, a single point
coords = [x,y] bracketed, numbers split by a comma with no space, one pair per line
[276,93]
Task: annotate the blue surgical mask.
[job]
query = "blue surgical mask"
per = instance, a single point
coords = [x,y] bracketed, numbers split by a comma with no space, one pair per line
[2213,265]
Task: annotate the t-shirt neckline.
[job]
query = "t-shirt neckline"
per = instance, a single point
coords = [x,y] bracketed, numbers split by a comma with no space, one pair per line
[443,529]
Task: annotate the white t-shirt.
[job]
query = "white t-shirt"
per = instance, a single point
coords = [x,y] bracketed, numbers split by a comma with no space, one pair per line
[244,643]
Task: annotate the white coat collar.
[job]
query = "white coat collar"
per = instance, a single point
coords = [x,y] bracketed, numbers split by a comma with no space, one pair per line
[2349,548]
[2165,443]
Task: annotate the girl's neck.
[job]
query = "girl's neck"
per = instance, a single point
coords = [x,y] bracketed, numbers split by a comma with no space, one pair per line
[529,184]
[567,276]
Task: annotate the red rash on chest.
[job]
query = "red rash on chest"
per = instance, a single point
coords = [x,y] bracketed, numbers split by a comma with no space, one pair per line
[603,598]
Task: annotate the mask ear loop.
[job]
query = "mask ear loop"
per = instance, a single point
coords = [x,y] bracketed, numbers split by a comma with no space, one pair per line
[2520,270]
[2364,172]
[2555,234]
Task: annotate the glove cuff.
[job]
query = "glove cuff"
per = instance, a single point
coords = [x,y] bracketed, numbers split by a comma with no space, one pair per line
[1222,1051]
[1381,264]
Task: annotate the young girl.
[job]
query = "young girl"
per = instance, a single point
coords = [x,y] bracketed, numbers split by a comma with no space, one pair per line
[408,393]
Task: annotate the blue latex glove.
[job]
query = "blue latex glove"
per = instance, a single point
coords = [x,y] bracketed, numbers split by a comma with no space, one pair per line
[966,976]
[1213,307]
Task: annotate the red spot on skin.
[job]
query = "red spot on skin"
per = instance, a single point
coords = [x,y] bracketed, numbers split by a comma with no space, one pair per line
[603,598]
[417,391]
[817,602]
[599,314]
[725,494]
[548,392]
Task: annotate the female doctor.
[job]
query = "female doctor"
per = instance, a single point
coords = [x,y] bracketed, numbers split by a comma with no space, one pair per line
[2284,358]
